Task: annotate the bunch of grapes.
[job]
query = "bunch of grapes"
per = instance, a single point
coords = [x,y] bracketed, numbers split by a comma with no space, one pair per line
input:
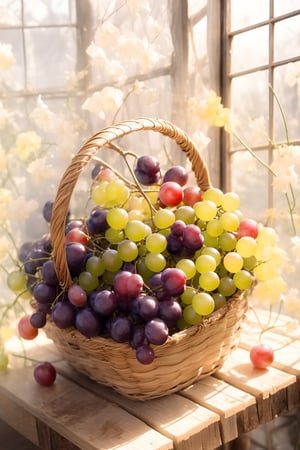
[154,256]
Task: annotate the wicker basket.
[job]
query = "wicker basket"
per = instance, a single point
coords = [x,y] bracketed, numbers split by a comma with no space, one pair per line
[186,356]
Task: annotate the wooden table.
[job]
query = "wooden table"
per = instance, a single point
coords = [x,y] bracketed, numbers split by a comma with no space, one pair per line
[76,413]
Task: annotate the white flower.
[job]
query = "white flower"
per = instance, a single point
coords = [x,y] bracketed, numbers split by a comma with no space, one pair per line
[27,144]
[109,99]
[21,208]
[73,79]
[4,116]
[40,171]
[153,28]
[292,77]
[107,35]
[7,58]
[200,139]
[136,6]
[98,55]
[43,117]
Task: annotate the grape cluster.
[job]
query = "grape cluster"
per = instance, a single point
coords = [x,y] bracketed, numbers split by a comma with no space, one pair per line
[154,256]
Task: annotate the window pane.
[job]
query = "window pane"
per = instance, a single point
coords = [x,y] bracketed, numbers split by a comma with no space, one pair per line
[250,100]
[249,180]
[14,77]
[10,12]
[247,13]
[47,70]
[287,6]
[244,49]
[47,13]
[287,38]
[287,88]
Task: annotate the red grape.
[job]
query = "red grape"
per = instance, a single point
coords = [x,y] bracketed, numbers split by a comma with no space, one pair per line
[147,170]
[77,235]
[261,356]
[173,281]
[44,373]
[248,227]
[25,329]
[144,354]
[170,193]
[77,295]
[192,195]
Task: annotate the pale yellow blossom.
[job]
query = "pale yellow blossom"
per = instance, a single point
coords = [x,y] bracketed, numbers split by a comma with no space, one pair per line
[200,139]
[137,6]
[107,35]
[292,301]
[27,144]
[44,118]
[97,55]
[268,292]
[74,78]
[7,58]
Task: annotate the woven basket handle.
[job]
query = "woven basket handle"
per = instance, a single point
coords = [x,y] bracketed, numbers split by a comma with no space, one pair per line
[86,153]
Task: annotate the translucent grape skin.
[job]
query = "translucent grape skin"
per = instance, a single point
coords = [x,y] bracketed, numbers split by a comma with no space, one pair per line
[156,331]
[88,323]
[63,314]
[120,329]
[145,354]
[104,302]
[177,174]
[173,281]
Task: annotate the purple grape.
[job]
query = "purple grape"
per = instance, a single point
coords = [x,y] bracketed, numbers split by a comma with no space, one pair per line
[63,314]
[177,174]
[177,228]
[73,224]
[147,170]
[96,222]
[104,302]
[47,210]
[173,280]
[88,323]
[138,338]
[34,260]
[169,311]
[144,354]
[44,292]
[146,306]
[49,273]
[174,244]
[38,319]
[24,250]
[120,329]
[95,171]
[76,256]
[45,308]
[156,331]
[192,237]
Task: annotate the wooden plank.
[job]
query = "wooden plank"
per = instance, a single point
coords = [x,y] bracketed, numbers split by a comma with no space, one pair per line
[187,423]
[270,386]
[86,420]
[230,403]
[19,419]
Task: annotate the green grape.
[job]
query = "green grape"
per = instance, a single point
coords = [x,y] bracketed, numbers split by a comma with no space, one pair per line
[156,243]
[221,271]
[142,250]
[188,294]
[95,265]
[242,280]
[117,218]
[205,210]
[16,281]
[211,251]
[233,262]
[88,281]
[227,241]
[98,193]
[182,324]
[108,277]
[116,192]
[205,263]
[136,230]
[188,267]
[209,281]
[246,246]
[164,218]
[128,250]
[250,263]
[143,270]
[112,260]
[3,361]
[203,303]
[186,214]
[135,214]
[155,262]
[231,201]
[230,221]
[214,195]
[214,228]
[190,316]
[114,236]
[219,300]
[227,287]
[210,241]
[201,224]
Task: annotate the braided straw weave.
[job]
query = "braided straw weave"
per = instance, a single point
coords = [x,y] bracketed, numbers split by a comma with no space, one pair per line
[186,356]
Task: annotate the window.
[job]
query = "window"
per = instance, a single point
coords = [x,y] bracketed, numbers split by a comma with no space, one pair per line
[261,54]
